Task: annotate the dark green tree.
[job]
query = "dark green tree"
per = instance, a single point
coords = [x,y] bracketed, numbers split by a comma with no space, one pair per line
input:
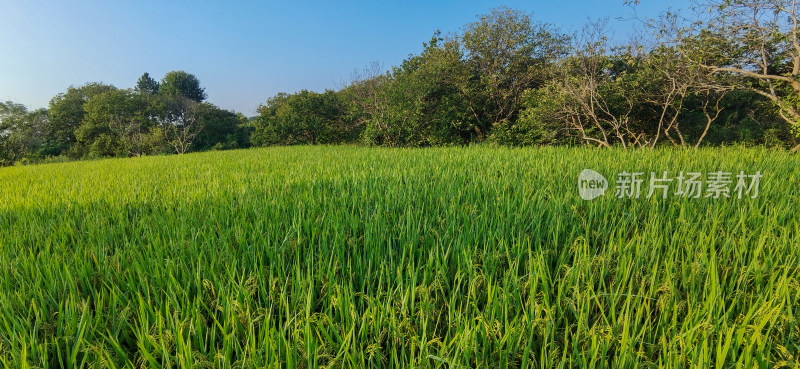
[180,83]
[220,129]
[266,128]
[147,84]
[22,132]
[116,124]
[424,101]
[66,113]
[179,121]
[508,54]
[305,117]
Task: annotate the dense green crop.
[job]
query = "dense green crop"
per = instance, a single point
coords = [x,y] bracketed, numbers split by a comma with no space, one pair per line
[361,257]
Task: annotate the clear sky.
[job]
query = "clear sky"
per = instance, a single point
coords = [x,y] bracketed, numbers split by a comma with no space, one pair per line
[243,51]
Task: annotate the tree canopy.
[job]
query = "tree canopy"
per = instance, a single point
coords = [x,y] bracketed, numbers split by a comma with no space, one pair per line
[180,83]
[730,76]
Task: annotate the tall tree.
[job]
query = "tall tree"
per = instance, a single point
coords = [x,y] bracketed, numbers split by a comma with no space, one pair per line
[757,41]
[267,129]
[221,129]
[305,117]
[180,122]
[508,54]
[147,84]
[115,124]
[425,105]
[22,133]
[8,111]
[180,83]
[66,113]
[365,97]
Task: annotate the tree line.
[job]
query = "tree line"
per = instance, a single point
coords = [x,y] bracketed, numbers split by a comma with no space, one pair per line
[730,75]
[100,120]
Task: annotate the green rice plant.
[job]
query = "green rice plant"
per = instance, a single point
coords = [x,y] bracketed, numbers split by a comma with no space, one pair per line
[373,257]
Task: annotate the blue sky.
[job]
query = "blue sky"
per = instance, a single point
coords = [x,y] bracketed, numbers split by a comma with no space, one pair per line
[242,51]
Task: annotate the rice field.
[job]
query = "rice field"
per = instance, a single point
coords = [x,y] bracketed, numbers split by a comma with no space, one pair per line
[312,257]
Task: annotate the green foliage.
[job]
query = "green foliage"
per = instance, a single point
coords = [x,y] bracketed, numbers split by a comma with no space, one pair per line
[504,78]
[180,83]
[747,119]
[454,92]
[22,133]
[147,84]
[372,257]
[66,114]
[508,54]
[305,117]
[99,120]
[266,130]
[221,129]
[179,118]
[423,101]
[115,124]
[462,87]
[540,122]
[755,43]
[9,109]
